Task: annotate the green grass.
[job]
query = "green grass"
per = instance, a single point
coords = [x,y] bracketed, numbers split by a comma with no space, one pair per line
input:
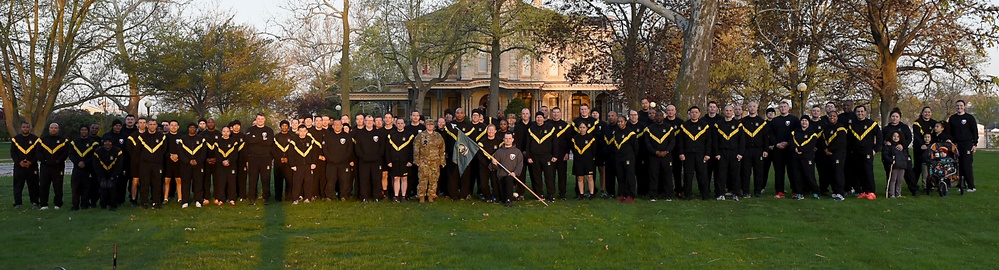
[925,232]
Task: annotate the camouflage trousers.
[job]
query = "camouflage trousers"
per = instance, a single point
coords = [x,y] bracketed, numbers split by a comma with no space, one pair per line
[428,181]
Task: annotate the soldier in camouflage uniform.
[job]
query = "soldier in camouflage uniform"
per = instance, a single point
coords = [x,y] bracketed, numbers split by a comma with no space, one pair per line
[429,156]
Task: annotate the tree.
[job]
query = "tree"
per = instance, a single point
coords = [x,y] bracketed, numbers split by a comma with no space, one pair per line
[208,65]
[40,43]
[132,23]
[423,42]
[792,36]
[698,33]
[625,44]
[500,26]
[883,41]
[327,10]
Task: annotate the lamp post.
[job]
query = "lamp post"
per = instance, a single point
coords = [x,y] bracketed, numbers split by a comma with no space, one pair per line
[148,105]
[801,98]
[337,108]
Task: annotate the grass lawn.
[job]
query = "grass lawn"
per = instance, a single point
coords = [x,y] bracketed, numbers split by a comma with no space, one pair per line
[926,232]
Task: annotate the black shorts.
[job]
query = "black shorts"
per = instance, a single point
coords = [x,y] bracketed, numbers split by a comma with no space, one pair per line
[171,169]
[582,167]
[398,169]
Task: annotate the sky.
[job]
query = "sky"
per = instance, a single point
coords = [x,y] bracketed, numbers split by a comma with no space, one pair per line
[259,13]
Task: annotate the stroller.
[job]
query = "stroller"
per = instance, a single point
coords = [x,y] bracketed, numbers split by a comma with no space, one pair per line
[942,169]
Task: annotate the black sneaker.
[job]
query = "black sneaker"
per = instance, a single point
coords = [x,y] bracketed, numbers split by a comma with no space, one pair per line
[267,202]
[579,197]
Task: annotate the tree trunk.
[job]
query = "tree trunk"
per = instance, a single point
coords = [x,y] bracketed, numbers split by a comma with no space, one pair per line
[889,86]
[495,54]
[345,68]
[695,63]
[630,76]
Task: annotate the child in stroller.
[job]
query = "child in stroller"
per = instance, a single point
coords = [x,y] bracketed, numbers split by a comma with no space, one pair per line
[941,169]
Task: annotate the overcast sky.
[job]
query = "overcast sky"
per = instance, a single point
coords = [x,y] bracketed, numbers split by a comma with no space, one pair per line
[259,12]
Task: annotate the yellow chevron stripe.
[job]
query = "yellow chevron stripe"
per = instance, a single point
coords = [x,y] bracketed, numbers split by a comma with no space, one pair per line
[659,140]
[611,141]
[753,133]
[834,134]
[82,153]
[23,151]
[303,154]
[625,139]
[196,149]
[861,137]
[691,136]
[225,154]
[405,142]
[728,137]
[586,147]
[283,149]
[107,167]
[799,144]
[52,150]
[154,149]
[543,139]
[563,131]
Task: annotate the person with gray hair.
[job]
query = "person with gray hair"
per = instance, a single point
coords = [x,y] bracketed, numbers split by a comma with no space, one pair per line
[52,160]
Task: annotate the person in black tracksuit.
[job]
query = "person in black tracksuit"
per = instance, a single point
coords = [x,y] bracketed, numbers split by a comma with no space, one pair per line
[282,167]
[81,154]
[608,152]
[540,152]
[259,141]
[592,125]
[134,149]
[865,141]
[449,176]
[964,131]
[729,145]
[660,141]
[119,138]
[489,143]
[895,125]
[303,163]
[23,152]
[192,161]
[238,134]
[52,159]
[805,139]
[226,155]
[314,187]
[338,149]
[399,155]
[757,134]
[626,159]
[834,148]
[642,156]
[107,164]
[782,125]
[152,154]
[520,138]
[561,139]
[211,135]
[695,145]
[675,122]
[584,160]
[712,117]
[370,150]
[922,126]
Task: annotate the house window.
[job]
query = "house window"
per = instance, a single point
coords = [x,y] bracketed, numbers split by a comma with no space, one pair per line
[483,63]
[525,67]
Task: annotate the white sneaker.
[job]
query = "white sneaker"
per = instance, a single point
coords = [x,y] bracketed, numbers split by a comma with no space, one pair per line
[55,207]
[197,204]
[183,205]
[972,190]
[44,208]
[720,198]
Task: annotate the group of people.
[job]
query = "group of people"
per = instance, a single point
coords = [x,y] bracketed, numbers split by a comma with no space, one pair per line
[640,153]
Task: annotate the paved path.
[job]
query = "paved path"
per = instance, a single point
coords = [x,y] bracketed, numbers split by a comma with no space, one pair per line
[7,169]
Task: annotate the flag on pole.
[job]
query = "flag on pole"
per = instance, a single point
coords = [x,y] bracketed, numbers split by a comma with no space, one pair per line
[464,151]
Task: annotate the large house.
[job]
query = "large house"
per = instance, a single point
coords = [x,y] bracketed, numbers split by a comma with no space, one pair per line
[539,81]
